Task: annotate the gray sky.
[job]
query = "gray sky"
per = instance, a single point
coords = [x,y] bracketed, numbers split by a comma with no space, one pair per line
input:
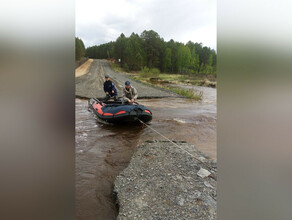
[99,22]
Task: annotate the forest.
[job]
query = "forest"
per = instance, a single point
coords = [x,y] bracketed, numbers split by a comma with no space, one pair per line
[150,50]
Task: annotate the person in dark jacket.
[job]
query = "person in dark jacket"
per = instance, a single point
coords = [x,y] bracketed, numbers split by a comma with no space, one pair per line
[109,89]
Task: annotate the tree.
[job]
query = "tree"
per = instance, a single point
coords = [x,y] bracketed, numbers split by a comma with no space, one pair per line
[79,48]
[183,58]
[134,53]
[174,48]
[179,58]
[167,60]
[120,47]
[195,61]
[187,56]
[209,68]
[152,44]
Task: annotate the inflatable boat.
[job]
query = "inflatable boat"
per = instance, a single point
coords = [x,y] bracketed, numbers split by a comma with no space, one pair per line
[117,112]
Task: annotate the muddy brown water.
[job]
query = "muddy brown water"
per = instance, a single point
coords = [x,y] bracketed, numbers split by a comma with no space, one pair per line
[104,150]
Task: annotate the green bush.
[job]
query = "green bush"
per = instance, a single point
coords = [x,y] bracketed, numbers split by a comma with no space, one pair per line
[146,72]
[126,67]
[155,72]
[189,93]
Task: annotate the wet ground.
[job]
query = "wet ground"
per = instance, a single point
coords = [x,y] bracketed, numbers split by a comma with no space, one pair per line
[104,150]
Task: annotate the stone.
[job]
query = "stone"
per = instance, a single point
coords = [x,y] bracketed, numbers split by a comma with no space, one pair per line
[208,184]
[181,201]
[203,173]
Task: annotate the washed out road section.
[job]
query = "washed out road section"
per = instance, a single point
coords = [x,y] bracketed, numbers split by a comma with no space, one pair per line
[91,84]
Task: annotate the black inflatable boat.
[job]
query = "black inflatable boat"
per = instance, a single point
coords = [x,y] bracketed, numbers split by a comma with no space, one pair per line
[116,112]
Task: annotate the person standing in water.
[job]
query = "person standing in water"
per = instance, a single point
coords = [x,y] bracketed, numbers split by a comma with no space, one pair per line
[109,89]
[130,93]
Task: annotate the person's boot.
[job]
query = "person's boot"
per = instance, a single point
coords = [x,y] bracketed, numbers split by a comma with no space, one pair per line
[106,98]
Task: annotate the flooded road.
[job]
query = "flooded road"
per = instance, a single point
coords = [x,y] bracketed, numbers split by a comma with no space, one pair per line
[104,150]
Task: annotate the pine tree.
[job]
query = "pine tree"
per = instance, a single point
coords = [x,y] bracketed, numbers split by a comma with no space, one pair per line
[180,58]
[152,44]
[195,61]
[187,56]
[210,64]
[167,60]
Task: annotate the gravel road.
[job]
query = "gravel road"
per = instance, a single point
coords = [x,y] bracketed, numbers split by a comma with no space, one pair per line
[91,84]
[162,182]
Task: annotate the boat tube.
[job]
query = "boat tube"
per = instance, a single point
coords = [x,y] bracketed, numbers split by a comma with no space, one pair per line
[117,112]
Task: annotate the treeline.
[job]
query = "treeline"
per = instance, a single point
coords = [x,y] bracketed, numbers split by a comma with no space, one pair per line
[149,49]
[79,48]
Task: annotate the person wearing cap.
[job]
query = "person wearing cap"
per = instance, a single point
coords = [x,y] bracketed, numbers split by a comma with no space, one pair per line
[130,93]
[109,89]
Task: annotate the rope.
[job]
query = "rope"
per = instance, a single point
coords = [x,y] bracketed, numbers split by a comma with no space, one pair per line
[179,146]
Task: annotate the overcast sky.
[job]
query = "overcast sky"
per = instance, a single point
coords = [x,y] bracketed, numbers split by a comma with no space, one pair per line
[101,21]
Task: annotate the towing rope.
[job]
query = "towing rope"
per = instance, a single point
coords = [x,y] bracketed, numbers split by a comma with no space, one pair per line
[178,146]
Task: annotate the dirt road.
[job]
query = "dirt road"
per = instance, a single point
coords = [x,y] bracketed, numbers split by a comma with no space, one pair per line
[90,84]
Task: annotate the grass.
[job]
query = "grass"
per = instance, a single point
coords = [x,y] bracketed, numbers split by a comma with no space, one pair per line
[189,93]
[149,73]
[191,79]
[155,77]
[116,67]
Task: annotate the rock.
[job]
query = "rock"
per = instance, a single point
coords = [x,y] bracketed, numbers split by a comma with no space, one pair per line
[203,159]
[208,184]
[203,173]
[181,201]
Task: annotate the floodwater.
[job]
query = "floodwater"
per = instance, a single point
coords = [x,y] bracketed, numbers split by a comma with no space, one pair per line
[104,150]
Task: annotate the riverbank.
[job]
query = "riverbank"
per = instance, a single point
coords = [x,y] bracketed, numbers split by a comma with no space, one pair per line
[170,81]
[162,181]
[155,77]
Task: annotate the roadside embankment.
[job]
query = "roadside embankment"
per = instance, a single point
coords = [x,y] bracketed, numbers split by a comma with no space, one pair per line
[80,62]
[84,68]
[163,181]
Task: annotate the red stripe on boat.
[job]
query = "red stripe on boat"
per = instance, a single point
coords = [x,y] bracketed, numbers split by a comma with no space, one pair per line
[97,107]
[107,114]
[147,111]
[120,112]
